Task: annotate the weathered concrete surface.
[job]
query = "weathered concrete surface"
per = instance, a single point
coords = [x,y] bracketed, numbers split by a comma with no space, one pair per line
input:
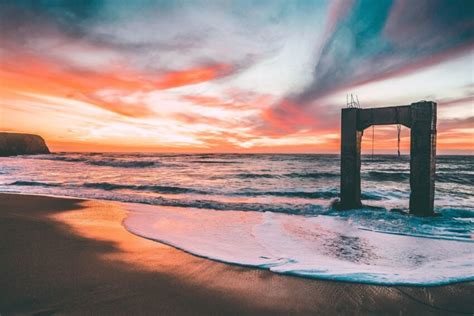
[384,116]
[12,144]
[421,118]
[350,159]
[422,158]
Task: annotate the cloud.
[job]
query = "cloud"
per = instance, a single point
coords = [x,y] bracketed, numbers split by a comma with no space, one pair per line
[452,124]
[469,99]
[232,99]
[23,71]
[192,76]
[285,118]
[376,40]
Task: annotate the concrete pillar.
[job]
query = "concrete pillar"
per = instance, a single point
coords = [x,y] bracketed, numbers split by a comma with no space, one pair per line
[350,159]
[422,158]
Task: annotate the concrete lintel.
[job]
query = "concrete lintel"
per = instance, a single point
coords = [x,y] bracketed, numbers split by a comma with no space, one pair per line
[385,116]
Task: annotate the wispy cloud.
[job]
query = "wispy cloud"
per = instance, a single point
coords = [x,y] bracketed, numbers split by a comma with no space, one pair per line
[376,40]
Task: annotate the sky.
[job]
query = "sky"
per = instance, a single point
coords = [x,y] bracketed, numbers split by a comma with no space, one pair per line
[231,76]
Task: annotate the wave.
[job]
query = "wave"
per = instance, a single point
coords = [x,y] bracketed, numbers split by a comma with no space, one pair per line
[215,161]
[223,204]
[313,175]
[462,167]
[302,175]
[323,194]
[320,247]
[107,162]
[152,188]
[450,224]
[456,177]
[35,183]
[285,208]
[373,196]
[388,176]
[288,207]
[123,164]
[63,158]
[327,194]
[389,159]
[444,177]
[257,175]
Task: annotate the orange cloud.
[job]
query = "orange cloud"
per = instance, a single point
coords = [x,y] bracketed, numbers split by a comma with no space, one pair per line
[231,101]
[29,73]
[203,100]
[287,117]
[192,76]
[33,75]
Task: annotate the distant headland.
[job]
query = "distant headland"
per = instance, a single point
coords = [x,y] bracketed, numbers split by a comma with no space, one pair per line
[12,144]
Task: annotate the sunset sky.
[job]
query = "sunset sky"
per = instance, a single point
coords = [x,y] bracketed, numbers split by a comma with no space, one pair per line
[231,76]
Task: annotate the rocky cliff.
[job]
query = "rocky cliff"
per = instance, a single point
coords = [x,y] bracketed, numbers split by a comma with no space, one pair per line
[12,144]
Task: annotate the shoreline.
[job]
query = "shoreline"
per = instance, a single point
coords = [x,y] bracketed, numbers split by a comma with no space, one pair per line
[69,255]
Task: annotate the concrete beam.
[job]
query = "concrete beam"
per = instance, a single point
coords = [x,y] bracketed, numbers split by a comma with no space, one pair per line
[385,116]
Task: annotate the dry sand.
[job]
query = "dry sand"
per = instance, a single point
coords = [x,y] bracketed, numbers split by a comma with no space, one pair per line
[72,256]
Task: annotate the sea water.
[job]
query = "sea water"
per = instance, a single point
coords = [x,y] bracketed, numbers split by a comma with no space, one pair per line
[274,211]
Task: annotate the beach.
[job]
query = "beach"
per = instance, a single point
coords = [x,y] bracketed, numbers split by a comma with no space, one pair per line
[72,256]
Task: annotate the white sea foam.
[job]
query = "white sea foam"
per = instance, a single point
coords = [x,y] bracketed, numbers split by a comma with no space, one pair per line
[325,247]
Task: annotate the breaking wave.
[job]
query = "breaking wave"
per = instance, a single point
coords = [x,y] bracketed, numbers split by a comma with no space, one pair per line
[152,188]
[35,183]
[388,176]
[321,247]
[106,161]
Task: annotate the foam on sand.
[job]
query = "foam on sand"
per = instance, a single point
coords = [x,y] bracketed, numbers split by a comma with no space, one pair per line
[324,247]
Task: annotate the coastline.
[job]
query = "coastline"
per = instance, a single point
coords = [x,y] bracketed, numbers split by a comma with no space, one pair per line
[66,255]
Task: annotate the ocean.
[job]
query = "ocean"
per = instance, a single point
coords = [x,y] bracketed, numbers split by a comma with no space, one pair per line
[274,211]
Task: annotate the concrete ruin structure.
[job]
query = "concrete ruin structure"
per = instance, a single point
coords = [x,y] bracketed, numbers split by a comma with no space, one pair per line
[420,117]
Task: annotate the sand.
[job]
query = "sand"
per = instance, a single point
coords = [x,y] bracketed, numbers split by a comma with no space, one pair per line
[71,256]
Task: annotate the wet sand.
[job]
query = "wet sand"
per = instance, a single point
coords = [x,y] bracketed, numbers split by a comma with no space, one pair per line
[74,256]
